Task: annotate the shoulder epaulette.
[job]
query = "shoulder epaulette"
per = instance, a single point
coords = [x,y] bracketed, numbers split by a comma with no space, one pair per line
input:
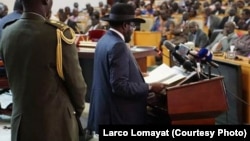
[9,23]
[61,28]
[60,25]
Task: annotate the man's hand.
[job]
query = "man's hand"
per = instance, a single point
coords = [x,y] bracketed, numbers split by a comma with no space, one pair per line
[157,87]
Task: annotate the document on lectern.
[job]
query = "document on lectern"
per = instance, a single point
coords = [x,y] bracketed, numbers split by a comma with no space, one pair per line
[165,74]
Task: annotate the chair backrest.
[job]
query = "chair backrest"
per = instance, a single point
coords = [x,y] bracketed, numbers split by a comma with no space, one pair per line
[95,35]
[148,24]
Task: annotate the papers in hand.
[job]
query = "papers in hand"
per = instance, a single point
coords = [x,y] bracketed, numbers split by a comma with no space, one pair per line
[165,74]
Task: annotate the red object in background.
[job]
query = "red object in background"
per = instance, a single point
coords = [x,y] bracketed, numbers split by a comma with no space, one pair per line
[95,35]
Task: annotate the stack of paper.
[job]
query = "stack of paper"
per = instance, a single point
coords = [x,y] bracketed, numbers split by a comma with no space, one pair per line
[87,44]
[165,74]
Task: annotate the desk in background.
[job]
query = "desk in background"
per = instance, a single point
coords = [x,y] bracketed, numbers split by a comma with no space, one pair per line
[86,58]
[245,73]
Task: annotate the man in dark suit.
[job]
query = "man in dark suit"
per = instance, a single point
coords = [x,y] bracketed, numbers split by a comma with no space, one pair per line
[218,9]
[212,21]
[44,74]
[231,17]
[95,23]
[244,21]
[119,92]
[196,35]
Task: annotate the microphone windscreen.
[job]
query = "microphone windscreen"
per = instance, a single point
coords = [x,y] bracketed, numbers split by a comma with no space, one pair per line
[178,57]
[170,46]
[205,54]
[188,65]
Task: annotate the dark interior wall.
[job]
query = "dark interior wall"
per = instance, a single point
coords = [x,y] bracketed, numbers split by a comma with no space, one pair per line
[233,84]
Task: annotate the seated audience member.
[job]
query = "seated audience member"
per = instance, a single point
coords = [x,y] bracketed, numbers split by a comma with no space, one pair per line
[75,16]
[180,31]
[196,35]
[131,2]
[184,21]
[230,17]
[149,10]
[224,39]
[244,19]
[242,44]
[229,2]
[67,10]
[212,21]
[95,22]
[63,17]
[192,12]
[175,8]
[241,5]
[218,9]
[166,27]
[157,20]
[247,2]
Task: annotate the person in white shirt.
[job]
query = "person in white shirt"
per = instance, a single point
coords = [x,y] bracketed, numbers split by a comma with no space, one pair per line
[224,39]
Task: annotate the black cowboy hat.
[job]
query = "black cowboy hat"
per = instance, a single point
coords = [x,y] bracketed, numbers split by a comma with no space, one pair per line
[121,12]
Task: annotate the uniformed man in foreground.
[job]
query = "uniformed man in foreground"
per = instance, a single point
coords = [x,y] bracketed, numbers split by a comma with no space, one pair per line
[44,74]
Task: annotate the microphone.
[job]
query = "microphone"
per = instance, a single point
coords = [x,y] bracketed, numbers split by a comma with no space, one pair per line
[187,64]
[204,56]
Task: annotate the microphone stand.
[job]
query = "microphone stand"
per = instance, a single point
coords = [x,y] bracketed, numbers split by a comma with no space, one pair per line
[210,65]
[209,71]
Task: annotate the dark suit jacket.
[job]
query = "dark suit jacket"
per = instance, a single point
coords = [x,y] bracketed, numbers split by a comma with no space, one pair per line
[119,93]
[201,39]
[219,11]
[244,26]
[44,106]
[225,19]
[214,23]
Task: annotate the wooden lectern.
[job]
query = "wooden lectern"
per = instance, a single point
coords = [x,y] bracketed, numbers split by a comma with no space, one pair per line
[193,103]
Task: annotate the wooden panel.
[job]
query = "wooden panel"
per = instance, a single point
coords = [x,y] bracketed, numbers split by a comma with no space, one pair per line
[185,104]
[147,39]
[148,24]
[166,56]
[205,121]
